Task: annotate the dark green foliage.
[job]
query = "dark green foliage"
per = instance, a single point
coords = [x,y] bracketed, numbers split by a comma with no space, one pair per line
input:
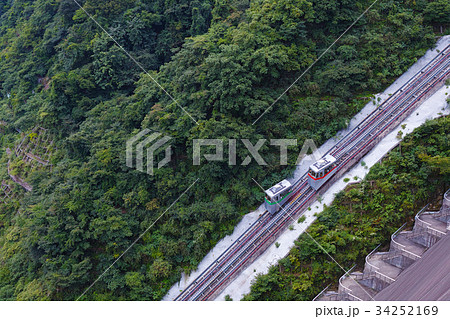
[225,61]
[362,217]
[438,12]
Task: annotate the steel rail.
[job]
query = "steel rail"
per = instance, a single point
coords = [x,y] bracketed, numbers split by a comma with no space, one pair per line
[378,119]
[269,230]
[231,260]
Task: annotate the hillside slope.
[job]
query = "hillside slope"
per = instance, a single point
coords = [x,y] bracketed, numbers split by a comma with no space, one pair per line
[225,61]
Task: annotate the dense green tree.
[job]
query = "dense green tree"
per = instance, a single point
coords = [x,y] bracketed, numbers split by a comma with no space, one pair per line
[363,216]
[437,12]
[225,62]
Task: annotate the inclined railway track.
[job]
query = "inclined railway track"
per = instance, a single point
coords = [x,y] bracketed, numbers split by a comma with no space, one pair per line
[352,146]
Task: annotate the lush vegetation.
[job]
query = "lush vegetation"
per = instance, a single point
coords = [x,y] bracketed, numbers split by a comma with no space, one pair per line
[363,216]
[225,62]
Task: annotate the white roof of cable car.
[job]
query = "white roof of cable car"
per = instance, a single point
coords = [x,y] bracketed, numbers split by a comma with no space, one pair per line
[322,163]
[278,188]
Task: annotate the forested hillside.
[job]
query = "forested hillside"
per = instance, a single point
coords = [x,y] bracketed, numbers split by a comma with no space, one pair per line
[364,216]
[72,97]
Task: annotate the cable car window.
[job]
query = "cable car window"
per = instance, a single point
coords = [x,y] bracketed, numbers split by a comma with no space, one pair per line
[268,198]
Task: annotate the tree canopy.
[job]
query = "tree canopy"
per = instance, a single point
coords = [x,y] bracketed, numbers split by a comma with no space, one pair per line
[225,62]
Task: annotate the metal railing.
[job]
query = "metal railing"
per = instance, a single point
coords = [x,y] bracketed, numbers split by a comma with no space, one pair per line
[447,195]
[402,251]
[446,204]
[347,290]
[429,229]
[397,231]
[383,277]
[372,270]
[369,255]
[352,297]
[421,212]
